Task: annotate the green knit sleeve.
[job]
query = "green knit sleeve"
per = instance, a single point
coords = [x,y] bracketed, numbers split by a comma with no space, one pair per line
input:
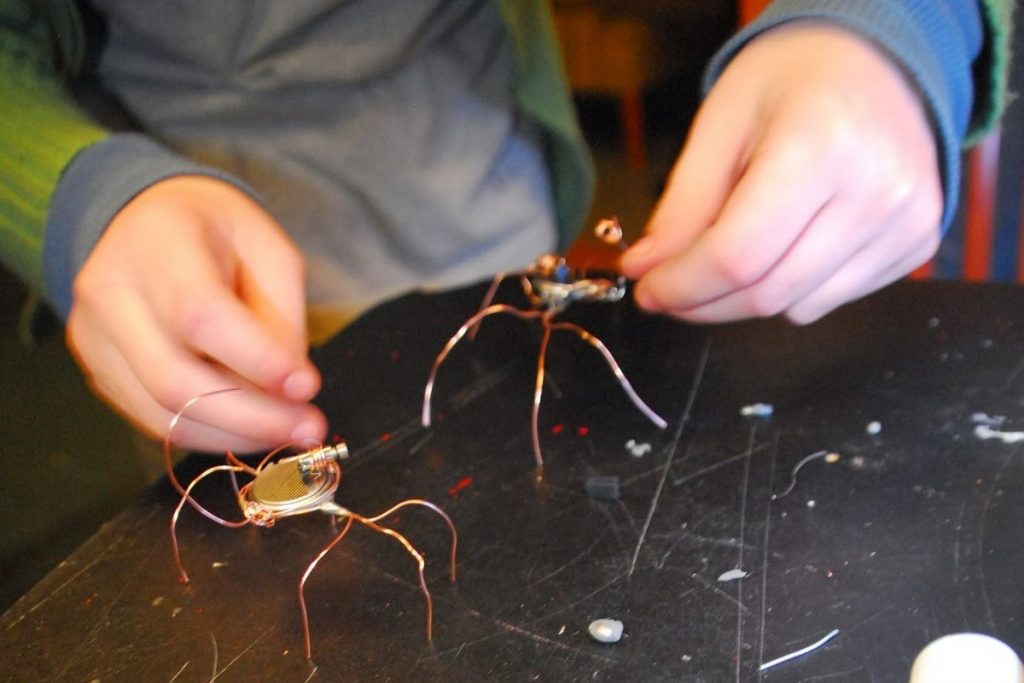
[40,129]
[991,68]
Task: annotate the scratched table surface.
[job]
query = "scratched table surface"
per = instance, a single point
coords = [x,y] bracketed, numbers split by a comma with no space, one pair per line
[912,533]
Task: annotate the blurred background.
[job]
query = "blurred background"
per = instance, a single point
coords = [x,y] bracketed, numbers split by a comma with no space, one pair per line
[67,463]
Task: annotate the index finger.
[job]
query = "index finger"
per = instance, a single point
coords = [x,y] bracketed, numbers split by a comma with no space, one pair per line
[773,202]
[214,322]
[707,169]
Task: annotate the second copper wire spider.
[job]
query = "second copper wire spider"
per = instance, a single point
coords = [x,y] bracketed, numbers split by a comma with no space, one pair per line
[551,286]
[294,485]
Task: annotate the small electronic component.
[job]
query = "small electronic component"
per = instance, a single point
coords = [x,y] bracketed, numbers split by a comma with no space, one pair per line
[602,487]
[295,485]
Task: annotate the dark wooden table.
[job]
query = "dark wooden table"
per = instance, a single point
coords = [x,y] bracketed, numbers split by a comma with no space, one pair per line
[913,532]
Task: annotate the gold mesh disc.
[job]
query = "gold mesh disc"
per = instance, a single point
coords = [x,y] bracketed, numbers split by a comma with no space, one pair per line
[282,482]
[282,488]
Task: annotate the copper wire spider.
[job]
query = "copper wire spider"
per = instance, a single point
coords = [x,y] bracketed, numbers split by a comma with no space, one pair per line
[551,286]
[294,485]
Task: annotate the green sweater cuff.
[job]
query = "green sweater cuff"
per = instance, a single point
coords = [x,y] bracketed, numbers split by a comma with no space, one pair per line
[991,69]
[40,133]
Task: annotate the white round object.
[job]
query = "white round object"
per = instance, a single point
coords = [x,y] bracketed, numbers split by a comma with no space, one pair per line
[606,630]
[967,658]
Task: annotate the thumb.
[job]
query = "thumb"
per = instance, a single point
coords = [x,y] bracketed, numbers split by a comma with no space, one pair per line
[712,161]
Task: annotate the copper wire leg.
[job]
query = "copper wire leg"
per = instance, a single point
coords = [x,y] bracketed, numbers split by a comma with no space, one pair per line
[420,563]
[616,370]
[527,287]
[431,506]
[488,298]
[371,522]
[186,495]
[168,465]
[302,584]
[475,319]
[233,459]
[538,390]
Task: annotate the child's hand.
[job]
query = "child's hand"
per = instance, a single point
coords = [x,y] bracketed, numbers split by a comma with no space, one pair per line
[192,288]
[810,178]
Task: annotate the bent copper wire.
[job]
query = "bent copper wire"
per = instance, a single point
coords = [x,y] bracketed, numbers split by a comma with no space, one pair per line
[551,287]
[169,466]
[649,413]
[293,485]
[182,574]
[371,522]
[302,585]
[477,317]
[609,231]
[168,461]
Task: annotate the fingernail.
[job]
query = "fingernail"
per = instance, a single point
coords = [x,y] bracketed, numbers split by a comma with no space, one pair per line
[301,385]
[644,299]
[639,251]
[309,430]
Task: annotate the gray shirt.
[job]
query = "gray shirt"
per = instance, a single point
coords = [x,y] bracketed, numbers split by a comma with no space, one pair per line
[381,134]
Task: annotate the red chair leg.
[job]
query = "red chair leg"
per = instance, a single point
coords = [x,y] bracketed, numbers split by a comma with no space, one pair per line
[983,166]
[924,271]
[747,10]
